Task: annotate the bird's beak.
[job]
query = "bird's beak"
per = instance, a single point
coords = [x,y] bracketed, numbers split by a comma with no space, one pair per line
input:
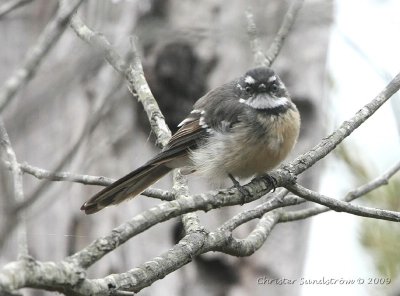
[262,87]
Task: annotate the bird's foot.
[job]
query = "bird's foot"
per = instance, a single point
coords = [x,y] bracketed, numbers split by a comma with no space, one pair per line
[244,193]
[272,181]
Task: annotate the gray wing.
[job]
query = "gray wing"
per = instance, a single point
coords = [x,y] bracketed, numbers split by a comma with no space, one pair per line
[218,110]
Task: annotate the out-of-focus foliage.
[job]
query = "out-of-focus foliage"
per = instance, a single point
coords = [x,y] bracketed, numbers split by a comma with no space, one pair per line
[378,236]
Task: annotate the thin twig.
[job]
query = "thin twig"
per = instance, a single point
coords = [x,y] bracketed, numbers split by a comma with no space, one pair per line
[342,206]
[139,86]
[18,191]
[283,32]
[87,180]
[267,59]
[36,54]
[259,56]
[377,182]
[137,83]
[352,195]
[97,114]
[323,148]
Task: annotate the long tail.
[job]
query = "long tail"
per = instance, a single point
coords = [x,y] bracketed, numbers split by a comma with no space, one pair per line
[126,187]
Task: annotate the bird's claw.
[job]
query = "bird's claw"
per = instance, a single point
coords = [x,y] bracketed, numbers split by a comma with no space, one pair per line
[271,181]
[244,193]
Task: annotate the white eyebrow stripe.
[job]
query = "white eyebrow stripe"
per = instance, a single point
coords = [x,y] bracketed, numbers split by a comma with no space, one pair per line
[196,111]
[272,78]
[249,80]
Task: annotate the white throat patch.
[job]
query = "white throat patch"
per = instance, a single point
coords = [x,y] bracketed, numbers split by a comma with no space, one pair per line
[261,102]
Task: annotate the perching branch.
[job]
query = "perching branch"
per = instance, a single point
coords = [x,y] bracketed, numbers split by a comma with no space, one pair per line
[208,201]
[68,276]
[161,213]
[257,187]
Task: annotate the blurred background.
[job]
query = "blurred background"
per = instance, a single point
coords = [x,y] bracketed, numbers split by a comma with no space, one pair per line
[362,59]
[77,115]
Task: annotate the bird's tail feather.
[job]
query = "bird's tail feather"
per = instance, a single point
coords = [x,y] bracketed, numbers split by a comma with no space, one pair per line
[127,187]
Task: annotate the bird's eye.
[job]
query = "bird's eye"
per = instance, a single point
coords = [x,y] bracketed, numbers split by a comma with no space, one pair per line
[247,89]
[274,88]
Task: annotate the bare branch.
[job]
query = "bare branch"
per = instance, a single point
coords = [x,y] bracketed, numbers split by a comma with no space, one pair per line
[64,176]
[97,114]
[8,155]
[27,272]
[276,200]
[207,201]
[191,222]
[11,5]
[99,42]
[155,215]
[305,161]
[166,211]
[342,206]
[37,53]
[68,277]
[254,241]
[192,245]
[87,180]
[352,195]
[267,59]
[284,30]
[377,182]
[133,74]
[259,56]
[159,267]
[138,85]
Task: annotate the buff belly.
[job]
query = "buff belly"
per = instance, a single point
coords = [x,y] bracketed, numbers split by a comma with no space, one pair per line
[245,152]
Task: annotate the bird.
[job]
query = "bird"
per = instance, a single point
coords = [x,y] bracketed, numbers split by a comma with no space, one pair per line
[243,128]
